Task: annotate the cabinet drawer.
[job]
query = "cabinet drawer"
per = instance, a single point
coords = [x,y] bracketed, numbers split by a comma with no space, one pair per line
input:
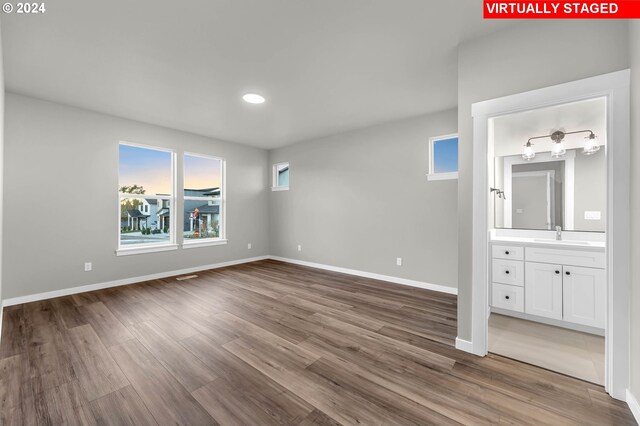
[507,272]
[507,252]
[589,259]
[507,297]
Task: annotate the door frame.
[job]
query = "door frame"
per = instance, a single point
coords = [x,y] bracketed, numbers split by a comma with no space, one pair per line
[615,87]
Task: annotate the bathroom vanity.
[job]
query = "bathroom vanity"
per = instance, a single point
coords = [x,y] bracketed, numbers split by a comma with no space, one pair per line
[558,282]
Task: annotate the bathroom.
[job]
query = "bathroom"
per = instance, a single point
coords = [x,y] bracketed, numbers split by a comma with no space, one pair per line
[547,216]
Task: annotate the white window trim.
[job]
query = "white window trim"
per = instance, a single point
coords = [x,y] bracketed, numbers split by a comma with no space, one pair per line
[222,226]
[274,177]
[145,248]
[440,176]
[150,248]
[204,243]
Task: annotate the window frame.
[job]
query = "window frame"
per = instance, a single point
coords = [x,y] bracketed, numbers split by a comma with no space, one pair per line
[274,177]
[148,248]
[222,215]
[432,175]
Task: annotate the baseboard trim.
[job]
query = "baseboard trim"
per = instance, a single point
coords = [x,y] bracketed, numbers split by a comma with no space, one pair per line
[634,406]
[464,345]
[99,286]
[388,278]
[116,283]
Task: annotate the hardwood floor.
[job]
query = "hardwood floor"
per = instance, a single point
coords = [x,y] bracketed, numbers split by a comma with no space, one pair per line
[270,343]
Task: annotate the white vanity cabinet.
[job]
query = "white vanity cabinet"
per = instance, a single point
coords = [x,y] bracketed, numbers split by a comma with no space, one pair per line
[543,290]
[564,284]
[584,296]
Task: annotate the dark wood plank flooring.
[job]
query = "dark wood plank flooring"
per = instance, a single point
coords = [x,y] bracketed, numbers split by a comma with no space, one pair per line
[269,343]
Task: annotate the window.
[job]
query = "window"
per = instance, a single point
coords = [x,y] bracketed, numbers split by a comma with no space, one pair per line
[280,177]
[203,212]
[443,157]
[146,177]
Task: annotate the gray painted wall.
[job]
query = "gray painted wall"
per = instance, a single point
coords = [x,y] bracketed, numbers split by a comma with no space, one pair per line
[61,198]
[529,56]
[361,199]
[634,49]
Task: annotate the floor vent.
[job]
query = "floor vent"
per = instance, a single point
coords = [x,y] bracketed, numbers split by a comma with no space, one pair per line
[188,277]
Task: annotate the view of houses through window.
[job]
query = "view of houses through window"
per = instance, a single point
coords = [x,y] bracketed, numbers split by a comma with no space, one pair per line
[202,197]
[145,191]
[146,182]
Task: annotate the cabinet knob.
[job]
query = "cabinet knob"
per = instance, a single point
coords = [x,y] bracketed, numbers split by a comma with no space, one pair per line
[557,272]
[506,252]
[506,272]
[568,273]
[507,297]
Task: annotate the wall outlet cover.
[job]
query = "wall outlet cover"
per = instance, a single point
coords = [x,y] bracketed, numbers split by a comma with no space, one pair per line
[88,266]
[399,261]
[299,247]
[249,246]
[592,215]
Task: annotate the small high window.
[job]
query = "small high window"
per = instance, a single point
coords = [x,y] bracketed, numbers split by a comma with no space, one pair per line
[443,157]
[280,177]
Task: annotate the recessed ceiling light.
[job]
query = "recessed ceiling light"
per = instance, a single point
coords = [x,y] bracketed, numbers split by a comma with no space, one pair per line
[253,98]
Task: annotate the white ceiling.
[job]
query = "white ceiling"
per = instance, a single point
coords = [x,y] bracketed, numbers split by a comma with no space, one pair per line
[511,132]
[325,66]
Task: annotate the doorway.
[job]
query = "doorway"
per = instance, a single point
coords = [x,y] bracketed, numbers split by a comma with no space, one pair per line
[614,88]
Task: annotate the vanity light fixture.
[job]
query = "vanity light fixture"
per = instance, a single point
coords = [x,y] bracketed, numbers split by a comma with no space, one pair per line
[591,145]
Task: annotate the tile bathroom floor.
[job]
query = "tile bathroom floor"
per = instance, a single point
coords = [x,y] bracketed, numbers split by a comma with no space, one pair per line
[569,352]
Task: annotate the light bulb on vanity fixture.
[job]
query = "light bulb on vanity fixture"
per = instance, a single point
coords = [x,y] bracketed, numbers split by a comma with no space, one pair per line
[558,149]
[591,144]
[528,153]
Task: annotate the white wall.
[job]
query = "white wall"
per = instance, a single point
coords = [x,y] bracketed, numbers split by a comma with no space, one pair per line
[1,169]
[634,49]
[61,198]
[361,199]
[529,56]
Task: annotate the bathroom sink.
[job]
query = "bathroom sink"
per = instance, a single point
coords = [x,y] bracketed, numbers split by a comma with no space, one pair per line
[567,242]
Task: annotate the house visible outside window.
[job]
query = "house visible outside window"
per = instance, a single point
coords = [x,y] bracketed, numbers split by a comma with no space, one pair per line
[280,177]
[443,157]
[146,182]
[204,200]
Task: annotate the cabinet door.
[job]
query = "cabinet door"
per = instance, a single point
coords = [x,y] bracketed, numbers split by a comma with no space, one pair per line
[585,293]
[543,290]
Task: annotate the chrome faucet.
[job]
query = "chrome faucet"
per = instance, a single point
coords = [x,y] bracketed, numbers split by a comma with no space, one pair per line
[558,233]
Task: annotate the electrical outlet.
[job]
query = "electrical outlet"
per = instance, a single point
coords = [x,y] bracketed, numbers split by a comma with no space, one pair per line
[592,215]
[88,266]
[299,247]
[249,246]
[399,261]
